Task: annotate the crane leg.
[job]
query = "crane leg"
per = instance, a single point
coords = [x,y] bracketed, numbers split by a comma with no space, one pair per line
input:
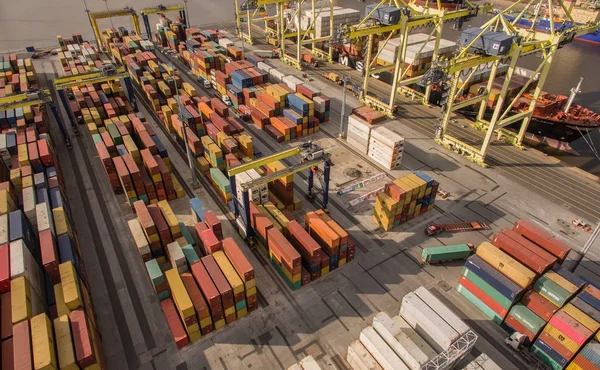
[311,179]
[249,231]
[234,194]
[326,174]
[61,124]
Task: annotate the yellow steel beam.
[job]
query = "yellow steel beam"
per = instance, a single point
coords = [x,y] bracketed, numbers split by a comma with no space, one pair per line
[113,13]
[23,100]
[90,75]
[159,10]
[468,102]
[264,160]
[269,2]
[264,180]
[470,62]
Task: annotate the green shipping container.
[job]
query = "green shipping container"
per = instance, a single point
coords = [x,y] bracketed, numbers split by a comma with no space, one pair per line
[220,180]
[156,275]
[445,253]
[547,359]
[527,318]
[551,291]
[114,134]
[186,233]
[190,254]
[487,289]
[97,138]
[479,304]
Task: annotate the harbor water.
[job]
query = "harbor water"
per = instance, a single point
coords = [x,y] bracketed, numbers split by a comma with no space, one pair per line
[34,23]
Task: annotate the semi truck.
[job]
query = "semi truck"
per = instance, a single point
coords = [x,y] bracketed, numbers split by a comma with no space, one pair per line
[445,253]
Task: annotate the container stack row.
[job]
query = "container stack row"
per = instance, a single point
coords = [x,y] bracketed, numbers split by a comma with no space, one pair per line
[519,283]
[79,57]
[381,144]
[404,199]
[424,329]
[17,75]
[133,157]
[300,254]
[47,320]
[203,282]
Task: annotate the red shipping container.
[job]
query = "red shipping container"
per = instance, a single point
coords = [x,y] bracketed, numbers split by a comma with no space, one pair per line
[195,295]
[557,346]
[175,325]
[260,222]
[7,354]
[539,305]
[489,301]
[213,222]
[343,234]
[593,291]
[516,325]
[220,123]
[4,269]
[283,250]
[82,339]
[304,243]
[351,250]
[238,260]
[527,244]
[304,276]
[50,258]
[207,286]
[200,227]
[22,352]
[220,281]
[209,242]
[144,218]
[584,363]
[530,260]
[5,316]
[541,238]
[570,327]
[328,239]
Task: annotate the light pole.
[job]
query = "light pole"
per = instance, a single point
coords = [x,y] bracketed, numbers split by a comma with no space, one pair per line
[587,246]
[184,135]
[345,80]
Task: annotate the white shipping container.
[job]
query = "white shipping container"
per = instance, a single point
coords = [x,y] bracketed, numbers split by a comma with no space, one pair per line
[359,123]
[264,67]
[361,148]
[361,135]
[382,353]
[139,237]
[387,136]
[384,149]
[442,310]
[360,359]
[472,366]
[486,363]
[225,43]
[4,229]
[295,367]
[29,200]
[276,75]
[292,82]
[385,162]
[406,349]
[22,263]
[427,323]
[176,257]
[309,363]
[44,218]
[414,337]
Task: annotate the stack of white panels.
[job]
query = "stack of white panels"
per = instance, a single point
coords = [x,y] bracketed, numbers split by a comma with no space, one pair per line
[340,16]
[358,134]
[177,258]
[386,147]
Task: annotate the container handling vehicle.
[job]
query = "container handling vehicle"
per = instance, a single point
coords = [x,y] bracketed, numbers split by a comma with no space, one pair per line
[446,253]
[436,229]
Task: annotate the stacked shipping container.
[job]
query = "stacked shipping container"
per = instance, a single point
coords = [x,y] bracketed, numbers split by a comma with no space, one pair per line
[424,328]
[404,199]
[17,75]
[380,144]
[201,285]
[46,311]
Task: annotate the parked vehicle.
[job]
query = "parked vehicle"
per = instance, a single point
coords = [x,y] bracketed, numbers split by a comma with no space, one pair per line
[446,253]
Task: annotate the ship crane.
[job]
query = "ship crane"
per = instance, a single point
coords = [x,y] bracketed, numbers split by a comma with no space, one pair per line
[574,91]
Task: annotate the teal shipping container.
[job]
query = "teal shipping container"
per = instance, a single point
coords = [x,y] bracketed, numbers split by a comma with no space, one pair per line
[446,253]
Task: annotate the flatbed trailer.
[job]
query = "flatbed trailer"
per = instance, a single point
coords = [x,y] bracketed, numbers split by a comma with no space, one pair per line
[436,229]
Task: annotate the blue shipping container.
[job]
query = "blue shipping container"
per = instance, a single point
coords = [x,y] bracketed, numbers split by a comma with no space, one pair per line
[425,178]
[197,209]
[540,345]
[21,229]
[592,352]
[589,299]
[586,308]
[568,275]
[42,196]
[292,116]
[501,283]
[56,199]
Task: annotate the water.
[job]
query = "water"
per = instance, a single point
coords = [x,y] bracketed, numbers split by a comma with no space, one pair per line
[31,22]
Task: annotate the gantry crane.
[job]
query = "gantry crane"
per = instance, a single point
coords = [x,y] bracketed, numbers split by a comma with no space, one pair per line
[125,12]
[312,156]
[161,10]
[411,17]
[283,30]
[527,41]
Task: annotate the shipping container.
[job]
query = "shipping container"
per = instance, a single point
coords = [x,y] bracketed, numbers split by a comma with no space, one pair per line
[543,239]
[446,253]
[427,323]
[498,281]
[486,299]
[42,342]
[359,357]
[548,355]
[83,338]
[551,291]
[64,344]
[530,260]
[382,353]
[570,327]
[527,318]
[539,305]
[477,302]
[22,351]
[392,334]
[168,307]
[506,264]
[444,312]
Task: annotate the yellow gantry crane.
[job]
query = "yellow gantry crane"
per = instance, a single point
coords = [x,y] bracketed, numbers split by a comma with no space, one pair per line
[412,16]
[286,28]
[527,41]
[161,10]
[125,12]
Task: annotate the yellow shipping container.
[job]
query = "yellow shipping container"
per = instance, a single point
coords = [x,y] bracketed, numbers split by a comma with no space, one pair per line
[70,285]
[169,216]
[27,181]
[23,155]
[422,183]
[275,223]
[504,263]
[61,307]
[408,189]
[581,317]
[277,215]
[20,294]
[60,221]
[237,285]
[388,203]
[561,281]
[132,149]
[561,338]
[278,166]
[7,204]
[180,295]
[42,342]
[573,366]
